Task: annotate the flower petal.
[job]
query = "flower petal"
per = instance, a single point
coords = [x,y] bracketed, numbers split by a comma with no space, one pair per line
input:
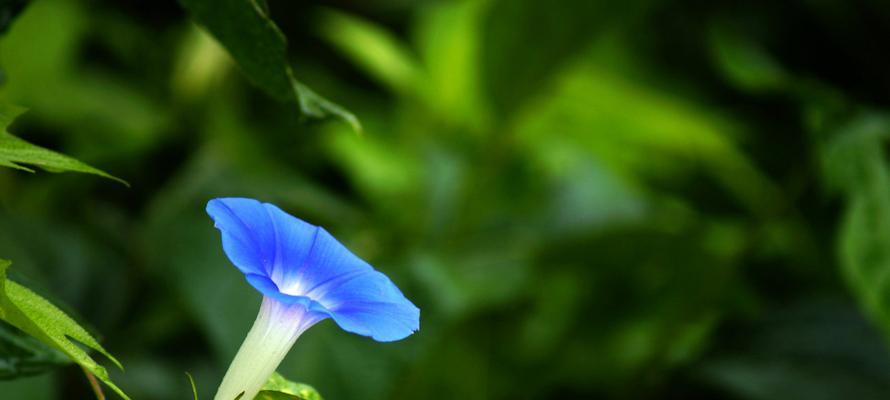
[360,299]
[295,262]
[260,238]
[371,305]
[243,237]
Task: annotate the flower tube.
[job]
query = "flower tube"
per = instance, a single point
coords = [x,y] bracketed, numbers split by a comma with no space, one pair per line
[305,276]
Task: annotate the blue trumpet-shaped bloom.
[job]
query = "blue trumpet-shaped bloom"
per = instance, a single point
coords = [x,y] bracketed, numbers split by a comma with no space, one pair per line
[297,263]
[305,276]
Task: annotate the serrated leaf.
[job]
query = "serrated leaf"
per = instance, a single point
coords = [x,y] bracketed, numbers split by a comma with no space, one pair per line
[15,152]
[37,317]
[279,388]
[259,48]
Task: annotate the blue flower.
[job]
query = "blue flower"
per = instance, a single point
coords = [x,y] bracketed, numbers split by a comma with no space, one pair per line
[305,276]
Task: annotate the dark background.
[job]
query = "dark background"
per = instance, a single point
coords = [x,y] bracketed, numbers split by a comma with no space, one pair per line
[587,199]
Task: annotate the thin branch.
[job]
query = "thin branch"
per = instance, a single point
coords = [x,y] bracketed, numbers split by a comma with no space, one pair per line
[94,383]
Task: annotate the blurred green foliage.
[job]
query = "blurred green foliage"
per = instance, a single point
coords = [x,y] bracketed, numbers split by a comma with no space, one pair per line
[587,199]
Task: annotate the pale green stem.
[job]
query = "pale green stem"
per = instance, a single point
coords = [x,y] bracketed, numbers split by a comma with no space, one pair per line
[275,330]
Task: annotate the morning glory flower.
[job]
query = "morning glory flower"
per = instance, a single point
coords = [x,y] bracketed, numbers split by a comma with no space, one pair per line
[305,276]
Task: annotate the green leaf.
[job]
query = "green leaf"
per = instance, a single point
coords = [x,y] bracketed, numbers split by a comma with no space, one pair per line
[37,317]
[273,395]
[244,28]
[745,63]
[14,151]
[279,388]
[855,162]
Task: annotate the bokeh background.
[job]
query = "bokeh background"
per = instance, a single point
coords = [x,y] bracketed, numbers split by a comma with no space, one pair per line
[641,199]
